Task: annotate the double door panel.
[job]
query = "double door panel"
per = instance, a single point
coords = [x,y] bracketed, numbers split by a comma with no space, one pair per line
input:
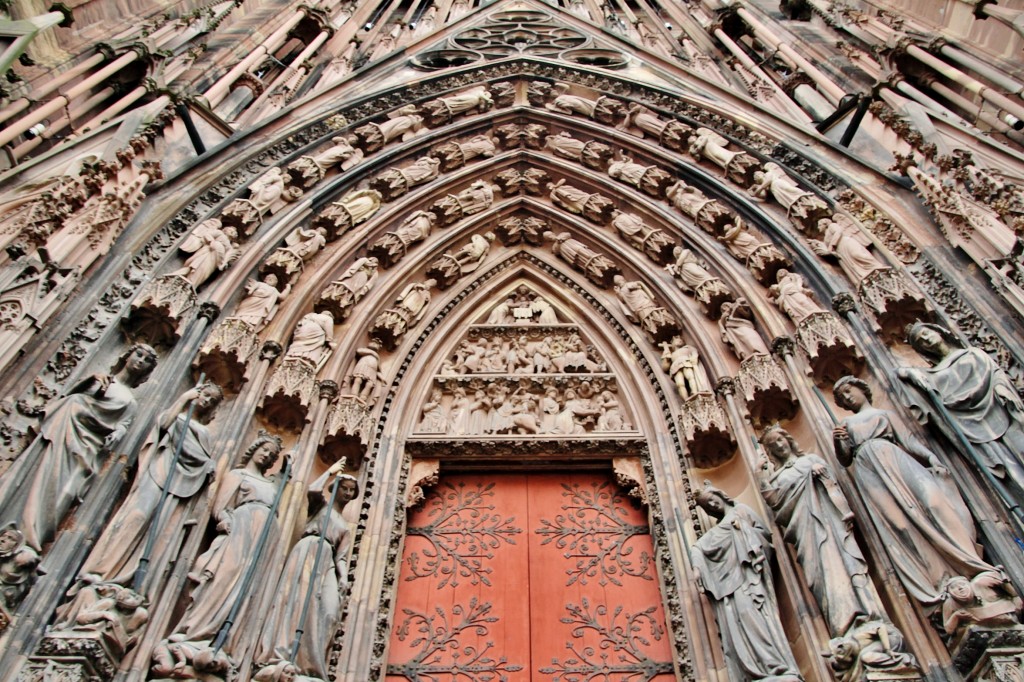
[528,578]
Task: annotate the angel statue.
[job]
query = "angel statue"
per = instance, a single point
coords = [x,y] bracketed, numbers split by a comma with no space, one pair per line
[213,248]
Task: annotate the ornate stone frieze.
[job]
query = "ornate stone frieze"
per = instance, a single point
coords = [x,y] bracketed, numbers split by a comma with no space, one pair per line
[529,135]
[519,229]
[531,181]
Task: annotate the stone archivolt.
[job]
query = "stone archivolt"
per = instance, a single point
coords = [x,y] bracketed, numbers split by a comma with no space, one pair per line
[520,368]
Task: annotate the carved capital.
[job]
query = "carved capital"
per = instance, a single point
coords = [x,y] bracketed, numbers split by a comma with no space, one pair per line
[328,389]
[271,351]
[209,311]
[783,346]
[725,386]
[844,303]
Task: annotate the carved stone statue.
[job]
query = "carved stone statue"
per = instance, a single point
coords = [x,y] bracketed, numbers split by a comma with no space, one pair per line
[403,123]
[264,192]
[244,500]
[671,134]
[650,180]
[78,431]
[640,307]
[981,601]
[683,364]
[301,245]
[341,295]
[353,208]
[598,268]
[260,303]
[447,269]
[441,110]
[590,153]
[476,198]
[311,340]
[731,566]
[603,109]
[364,375]
[872,647]
[393,246]
[115,557]
[738,166]
[802,207]
[306,171]
[115,612]
[760,256]
[324,548]
[213,248]
[18,564]
[793,297]
[966,392]
[408,309]
[436,418]
[455,154]
[816,519]
[737,328]
[910,499]
[394,182]
[708,214]
[656,244]
[592,206]
[844,240]
[689,270]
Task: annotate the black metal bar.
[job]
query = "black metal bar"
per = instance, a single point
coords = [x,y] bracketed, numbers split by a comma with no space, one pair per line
[858,116]
[190,128]
[846,104]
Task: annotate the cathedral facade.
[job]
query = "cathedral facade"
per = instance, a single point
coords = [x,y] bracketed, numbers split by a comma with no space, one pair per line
[463,341]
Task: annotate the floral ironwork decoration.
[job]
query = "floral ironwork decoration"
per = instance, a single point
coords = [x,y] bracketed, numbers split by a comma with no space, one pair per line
[619,656]
[442,657]
[594,532]
[463,532]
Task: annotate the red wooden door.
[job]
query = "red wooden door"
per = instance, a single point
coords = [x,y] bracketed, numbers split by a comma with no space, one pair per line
[528,578]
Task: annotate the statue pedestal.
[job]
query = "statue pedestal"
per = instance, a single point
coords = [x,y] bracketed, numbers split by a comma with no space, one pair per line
[987,654]
[78,657]
[883,676]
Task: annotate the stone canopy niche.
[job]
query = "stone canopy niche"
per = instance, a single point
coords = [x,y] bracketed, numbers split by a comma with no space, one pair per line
[522,372]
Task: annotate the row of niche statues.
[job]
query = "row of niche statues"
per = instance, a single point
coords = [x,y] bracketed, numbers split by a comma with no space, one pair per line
[523,355]
[500,408]
[126,567]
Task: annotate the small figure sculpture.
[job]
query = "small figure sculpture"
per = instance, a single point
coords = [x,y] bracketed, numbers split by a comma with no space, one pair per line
[403,123]
[264,192]
[311,340]
[708,214]
[308,598]
[408,309]
[792,297]
[394,182]
[652,241]
[116,556]
[590,153]
[968,397]
[737,328]
[980,600]
[592,206]
[574,409]
[731,566]
[306,171]
[78,430]
[640,307]
[476,198]
[671,134]
[435,417]
[600,269]
[683,364]
[917,511]
[689,270]
[18,564]
[441,110]
[802,207]
[259,306]
[738,166]
[844,240]
[364,376]
[119,617]
[301,245]
[650,180]
[451,266]
[341,295]
[393,246]
[603,109]
[875,646]
[816,518]
[213,248]
[244,500]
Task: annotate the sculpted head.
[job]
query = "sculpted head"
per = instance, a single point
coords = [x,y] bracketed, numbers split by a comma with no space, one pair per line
[779,443]
[210,396]
[713,501]
[931,341]
[263,452]
[10,540]
[851,393]
[138,362]
[959,589]
[348,489]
